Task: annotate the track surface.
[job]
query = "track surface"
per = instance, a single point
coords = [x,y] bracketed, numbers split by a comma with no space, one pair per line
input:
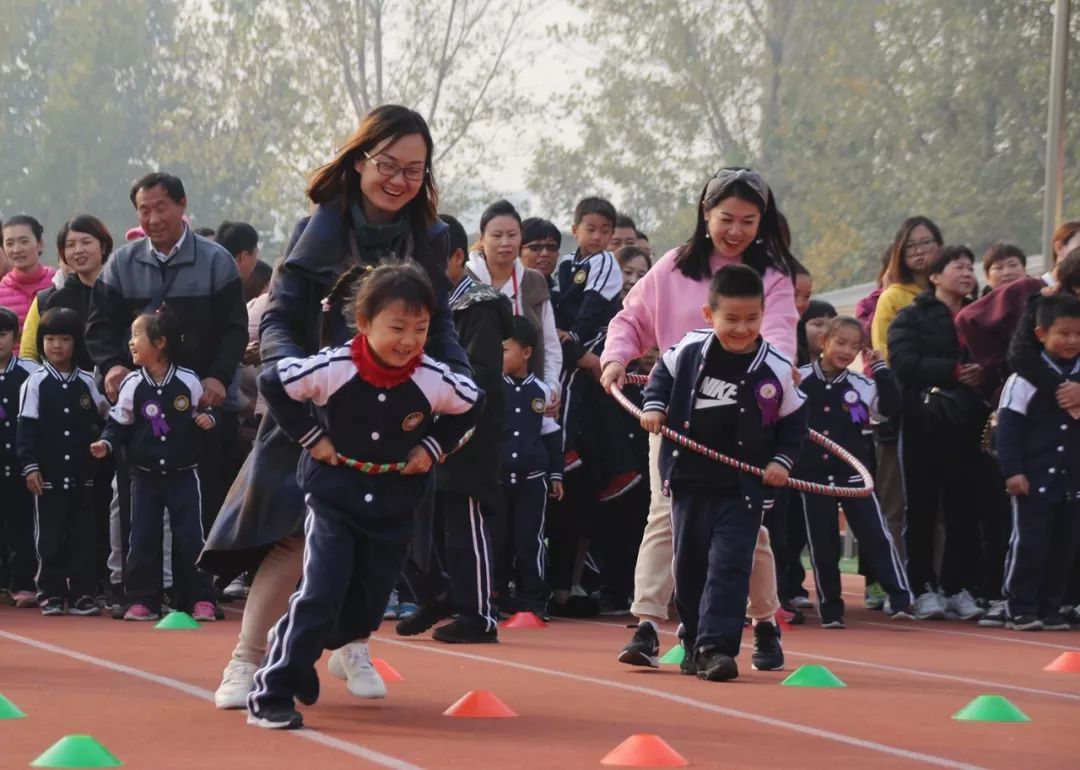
[146,695]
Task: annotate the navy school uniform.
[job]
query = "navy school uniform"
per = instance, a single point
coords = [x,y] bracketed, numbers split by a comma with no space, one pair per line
[1038,439]
[155,422]
[17,516]
[358,526]
[531,459]
[840,407]
[59,417]
[746,406]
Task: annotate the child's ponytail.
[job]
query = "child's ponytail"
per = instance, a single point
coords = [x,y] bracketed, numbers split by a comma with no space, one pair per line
[341,292]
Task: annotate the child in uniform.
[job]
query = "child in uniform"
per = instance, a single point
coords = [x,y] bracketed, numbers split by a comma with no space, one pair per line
[1039,451]
[728,389]
[60,411]
[18,511]
[532,470]
[840,404]
[375,400]
[155,418]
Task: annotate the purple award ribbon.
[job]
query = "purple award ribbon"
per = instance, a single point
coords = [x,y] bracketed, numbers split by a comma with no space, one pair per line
[855,407]
[768,401]
[152,411]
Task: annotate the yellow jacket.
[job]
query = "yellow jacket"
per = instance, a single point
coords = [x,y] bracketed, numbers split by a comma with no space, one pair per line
[28,342]
[890,303]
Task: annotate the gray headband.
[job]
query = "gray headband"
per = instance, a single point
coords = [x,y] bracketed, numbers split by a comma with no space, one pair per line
[726,177]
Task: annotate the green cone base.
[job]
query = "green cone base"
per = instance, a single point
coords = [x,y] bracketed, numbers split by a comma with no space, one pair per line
[177,620]
[674,656]
[813,676]
[991,708]
[9,710]
[77,751]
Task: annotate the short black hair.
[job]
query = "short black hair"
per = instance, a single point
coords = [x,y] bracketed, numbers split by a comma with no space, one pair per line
[237,237]
[844,321]
[537,229]
[59,321]
[9,322]
[999,252]
[1056,306]
[206,232]
[640,235]
[174,188]
[164,324]
[594,205]
[818,308]
[29,221]
[524,332]
[500,208]
[390,282]
[458,237]
[947,254]
[622,220]
[735,281]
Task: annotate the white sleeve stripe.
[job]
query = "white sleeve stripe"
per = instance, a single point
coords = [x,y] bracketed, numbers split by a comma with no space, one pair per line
[304,372]
[432,445]
[1017,394]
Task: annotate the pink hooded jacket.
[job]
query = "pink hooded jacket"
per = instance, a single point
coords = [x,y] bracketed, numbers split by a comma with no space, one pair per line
[17,289]
[665,305]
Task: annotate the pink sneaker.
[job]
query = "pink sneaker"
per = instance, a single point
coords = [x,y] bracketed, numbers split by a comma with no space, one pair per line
[204,612]
[141,612]
[24,599]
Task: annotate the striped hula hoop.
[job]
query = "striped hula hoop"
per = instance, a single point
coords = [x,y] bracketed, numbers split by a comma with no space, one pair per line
[803,486]
[372,469]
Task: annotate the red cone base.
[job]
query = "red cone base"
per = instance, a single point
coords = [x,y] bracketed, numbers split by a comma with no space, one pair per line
[524,620]
[479,704]
[1066,663]
[644,750]
[386,671]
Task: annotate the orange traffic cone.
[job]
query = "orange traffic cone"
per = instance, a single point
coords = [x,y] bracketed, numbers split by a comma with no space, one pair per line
[644,750]
[524,620]
[386,671]
[1066,663]
[479,704]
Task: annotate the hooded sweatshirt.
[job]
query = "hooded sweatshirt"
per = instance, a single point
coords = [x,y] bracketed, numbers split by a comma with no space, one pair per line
[18,289]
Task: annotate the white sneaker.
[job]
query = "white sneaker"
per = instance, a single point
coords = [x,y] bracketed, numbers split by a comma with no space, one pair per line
[929,606]
[963,606]
[353,663]
[236,589]
[236,682]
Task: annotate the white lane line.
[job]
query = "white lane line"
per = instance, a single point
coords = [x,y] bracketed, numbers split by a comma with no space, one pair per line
[989,637]
[693,703]
[882,667]
[355,749]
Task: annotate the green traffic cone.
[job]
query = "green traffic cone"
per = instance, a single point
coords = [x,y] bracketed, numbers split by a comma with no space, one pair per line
[991,708]
[9,710]
[674,656]
[77,751]
[813,676]
[177,620]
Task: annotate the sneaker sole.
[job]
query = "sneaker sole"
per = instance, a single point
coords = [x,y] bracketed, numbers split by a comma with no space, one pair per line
[717,675]
[936,615]
[634,658]
[990,623]
[293,724]
[485,640]
[901,616]
[836,624]
[756,667]
[1024,627]
[367,694]
[229,704]
[85,613]
[1057,627]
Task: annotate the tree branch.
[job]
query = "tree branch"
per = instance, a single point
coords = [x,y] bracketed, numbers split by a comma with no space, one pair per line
[443,65]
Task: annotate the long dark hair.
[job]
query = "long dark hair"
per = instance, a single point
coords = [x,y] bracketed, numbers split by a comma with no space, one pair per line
[767,250]
[898,270]
[338,179]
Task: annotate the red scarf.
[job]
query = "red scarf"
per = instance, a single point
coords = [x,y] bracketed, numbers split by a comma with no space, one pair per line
[378,374]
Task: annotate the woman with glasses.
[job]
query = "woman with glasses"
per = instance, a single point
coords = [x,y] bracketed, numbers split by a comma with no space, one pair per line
[913,248]
[540,244]
[737,223]
[375,201]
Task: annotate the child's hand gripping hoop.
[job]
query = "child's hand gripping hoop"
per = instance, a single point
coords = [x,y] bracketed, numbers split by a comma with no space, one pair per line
[803,486]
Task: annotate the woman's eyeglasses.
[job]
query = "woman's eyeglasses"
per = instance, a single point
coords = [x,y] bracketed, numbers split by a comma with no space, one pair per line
[914,247]
[389,169]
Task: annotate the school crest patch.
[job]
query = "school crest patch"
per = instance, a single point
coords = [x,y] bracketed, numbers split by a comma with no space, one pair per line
[580,276]
[412,421]
[181,403]
[85,401]
[538,405]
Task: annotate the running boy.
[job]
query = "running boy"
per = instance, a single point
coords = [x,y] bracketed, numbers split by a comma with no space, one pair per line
[60,412]
[840,404]
[1039,451]
[727,388]
[17,520]
[157,419]
[375,401]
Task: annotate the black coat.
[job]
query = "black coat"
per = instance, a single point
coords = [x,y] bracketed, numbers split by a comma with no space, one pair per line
[74,294]
[265,504]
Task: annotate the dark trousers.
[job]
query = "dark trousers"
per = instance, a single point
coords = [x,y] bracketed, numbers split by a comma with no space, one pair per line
[568,522]
[620,525]
[1044,540]
[467,551]
[352,558]
[792,572]
[776,521]
[215,463]
[151,494]
[876,550]
[520,552]
[64,538]
[714,538]
[17,523]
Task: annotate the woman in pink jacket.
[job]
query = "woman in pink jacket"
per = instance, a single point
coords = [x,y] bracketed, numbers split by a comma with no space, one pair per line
[737,222]
[23,246]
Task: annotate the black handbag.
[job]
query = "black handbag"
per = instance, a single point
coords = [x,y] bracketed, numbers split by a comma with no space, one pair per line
[955,407]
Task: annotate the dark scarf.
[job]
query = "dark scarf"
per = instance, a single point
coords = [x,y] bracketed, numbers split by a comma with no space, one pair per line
[379,242]
[378,374]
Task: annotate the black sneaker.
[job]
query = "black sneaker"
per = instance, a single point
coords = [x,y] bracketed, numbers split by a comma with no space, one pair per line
[715,666]
[466,630]
[688,665]
[1024,623]
[424,618]
[277,718]
[84,605]
[54,605]
[644,647]
[768,654]
[1055,622]
[995,617]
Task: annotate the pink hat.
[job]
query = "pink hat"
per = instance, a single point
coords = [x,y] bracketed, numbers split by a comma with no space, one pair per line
[133,233]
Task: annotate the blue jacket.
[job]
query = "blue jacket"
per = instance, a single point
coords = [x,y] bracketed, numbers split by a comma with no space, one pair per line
[11,380]
[532,444]
[588,299]
[674,382]
[1037,438]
